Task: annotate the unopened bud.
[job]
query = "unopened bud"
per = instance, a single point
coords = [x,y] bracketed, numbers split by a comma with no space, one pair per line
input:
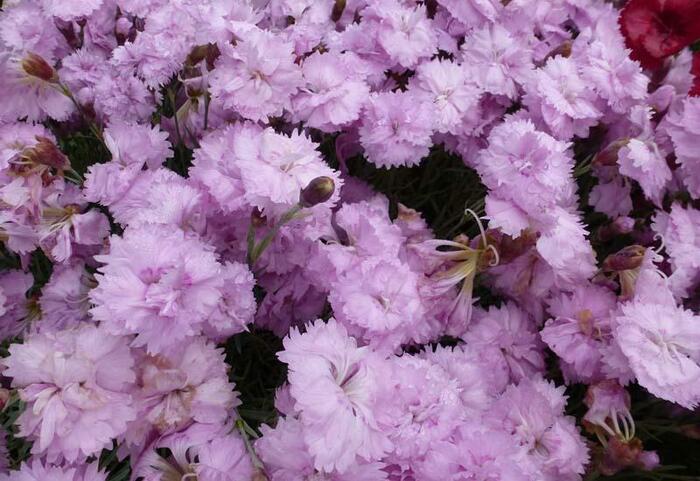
[338,9]
[36,66]
[629,258]
[257,218]
[317,192]
[45,152]
[608,156]
[563,50]
[4,397]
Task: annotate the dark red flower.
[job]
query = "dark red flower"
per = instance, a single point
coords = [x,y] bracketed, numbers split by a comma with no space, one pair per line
[695,70]
[656,29]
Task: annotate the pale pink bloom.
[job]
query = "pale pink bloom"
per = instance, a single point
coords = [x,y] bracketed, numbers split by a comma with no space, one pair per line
[396,128]
[76,383]
[662,345]
[448,86]
[257,77]
[333,94]
[337,388]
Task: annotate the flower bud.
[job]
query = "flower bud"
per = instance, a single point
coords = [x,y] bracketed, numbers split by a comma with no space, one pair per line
[629,258]
[317,192]
[257,218]
[563,50]
[608,156]
[36,66]
[4,397]
[338,8]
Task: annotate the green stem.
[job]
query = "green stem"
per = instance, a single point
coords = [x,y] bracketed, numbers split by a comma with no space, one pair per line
[260,248]
[242,425]
[91,125]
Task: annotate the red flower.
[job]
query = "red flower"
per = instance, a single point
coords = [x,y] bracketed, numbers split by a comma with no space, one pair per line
[656,29]
[695,70]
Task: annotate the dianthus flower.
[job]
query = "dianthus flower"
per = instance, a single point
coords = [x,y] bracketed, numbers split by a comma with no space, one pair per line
[189,385]
[477,453]
[162,197]
[257,77]
[32,89]
[424,407]
[286,457]
[680,231]
[245,165]
[560,97]
[333,94]
[656,29]
[396,128]
[532,412]
[37,470]
[473,13]
[663,348]
[447,85]
[76,383]
[404,33]
[499,62]
[528,173]
[326,364]
[378,301]
[201,452]
[682,126]
[156,277]
[579,328]
[513,332]
[15,309]
[64,299]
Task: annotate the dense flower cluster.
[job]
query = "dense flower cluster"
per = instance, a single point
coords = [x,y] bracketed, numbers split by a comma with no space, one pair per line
[217,196]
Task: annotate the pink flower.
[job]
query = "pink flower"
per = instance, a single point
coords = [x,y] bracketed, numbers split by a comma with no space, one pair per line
[513,332]
[680,231]
[667,335]
[162,197]
[642,161]
[532,412]
[72,9]
[64,299]
[405,34]
[37,470]
[561,98]
[333,94]
[580,327]
[378,301]
[15,308]
[156,277]
[498,61]
[477,453]
[257,77]
[286,457]
[448,86]
[681,125]
[248,166]
[189,385]
[32,89]
[424,408]
[473,13]
[396,129]
[201,452]
[528,173]
[76,385]
[336,386]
